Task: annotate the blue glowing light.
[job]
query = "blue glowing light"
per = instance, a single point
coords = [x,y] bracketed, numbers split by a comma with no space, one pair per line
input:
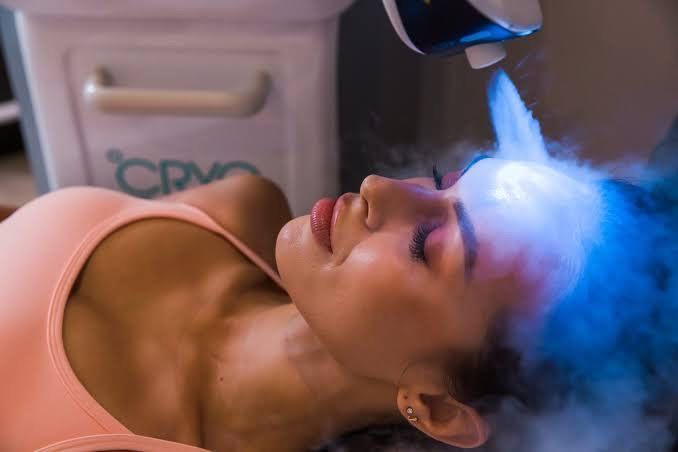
[605,362]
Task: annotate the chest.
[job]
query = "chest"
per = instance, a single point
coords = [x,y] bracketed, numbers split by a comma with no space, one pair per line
[134,320]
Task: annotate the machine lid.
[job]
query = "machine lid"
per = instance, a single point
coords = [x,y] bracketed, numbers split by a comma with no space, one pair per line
[240,10]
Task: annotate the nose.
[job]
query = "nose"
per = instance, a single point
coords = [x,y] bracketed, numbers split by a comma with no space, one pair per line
[396,200]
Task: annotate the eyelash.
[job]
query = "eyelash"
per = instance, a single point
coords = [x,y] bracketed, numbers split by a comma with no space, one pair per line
[421,233]
[437,178]
[418,242]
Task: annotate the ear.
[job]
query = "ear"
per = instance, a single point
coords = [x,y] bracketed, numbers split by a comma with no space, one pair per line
[433,411]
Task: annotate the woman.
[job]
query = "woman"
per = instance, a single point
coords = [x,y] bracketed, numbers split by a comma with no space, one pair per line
[167,318]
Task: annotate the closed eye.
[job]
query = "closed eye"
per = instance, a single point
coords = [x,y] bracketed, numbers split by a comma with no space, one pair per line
[418,241]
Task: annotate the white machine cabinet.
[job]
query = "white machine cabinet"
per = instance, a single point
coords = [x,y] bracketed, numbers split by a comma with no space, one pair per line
[152,97]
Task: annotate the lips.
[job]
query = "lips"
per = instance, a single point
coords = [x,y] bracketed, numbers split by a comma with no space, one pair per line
[321,221]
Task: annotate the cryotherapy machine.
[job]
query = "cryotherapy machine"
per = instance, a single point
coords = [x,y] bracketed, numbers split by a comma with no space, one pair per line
[154,96]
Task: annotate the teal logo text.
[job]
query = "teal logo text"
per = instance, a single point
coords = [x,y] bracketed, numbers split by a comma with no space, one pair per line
[147,179]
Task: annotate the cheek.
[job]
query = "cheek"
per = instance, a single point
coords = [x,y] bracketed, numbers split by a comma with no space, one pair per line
[364,309]
[367,312]
[395,313]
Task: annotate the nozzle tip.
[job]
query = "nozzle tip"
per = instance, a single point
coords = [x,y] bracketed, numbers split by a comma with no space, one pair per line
[484,55]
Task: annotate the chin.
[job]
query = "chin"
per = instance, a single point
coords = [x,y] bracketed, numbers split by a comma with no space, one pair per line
[294,251]
[289,235]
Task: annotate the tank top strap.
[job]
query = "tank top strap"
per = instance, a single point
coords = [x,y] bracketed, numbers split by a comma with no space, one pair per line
[118,441]
[204,220]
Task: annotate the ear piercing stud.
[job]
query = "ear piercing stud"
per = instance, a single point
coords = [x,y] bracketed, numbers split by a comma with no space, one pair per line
[410,414]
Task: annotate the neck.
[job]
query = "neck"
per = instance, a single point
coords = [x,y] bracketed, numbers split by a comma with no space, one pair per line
[349,401]
[304,397]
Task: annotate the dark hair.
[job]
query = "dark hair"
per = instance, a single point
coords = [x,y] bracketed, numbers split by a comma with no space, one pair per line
[613,329]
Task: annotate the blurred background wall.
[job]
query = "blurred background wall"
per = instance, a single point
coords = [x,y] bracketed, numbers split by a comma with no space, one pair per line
[602,76]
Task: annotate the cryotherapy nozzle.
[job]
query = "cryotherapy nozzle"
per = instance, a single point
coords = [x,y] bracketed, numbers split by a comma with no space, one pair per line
[484,55]
[477,27]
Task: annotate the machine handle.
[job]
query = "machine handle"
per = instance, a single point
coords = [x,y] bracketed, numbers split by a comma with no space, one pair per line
[100,93]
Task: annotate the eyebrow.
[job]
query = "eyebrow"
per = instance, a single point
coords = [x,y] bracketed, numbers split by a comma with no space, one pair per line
[468,239]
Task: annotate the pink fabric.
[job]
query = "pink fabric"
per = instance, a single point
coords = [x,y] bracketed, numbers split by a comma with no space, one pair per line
[43,247]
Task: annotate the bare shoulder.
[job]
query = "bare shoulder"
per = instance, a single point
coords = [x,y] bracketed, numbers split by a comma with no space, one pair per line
[251,207]
[5,212]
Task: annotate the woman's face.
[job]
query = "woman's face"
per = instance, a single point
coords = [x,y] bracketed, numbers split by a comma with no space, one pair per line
[414,269]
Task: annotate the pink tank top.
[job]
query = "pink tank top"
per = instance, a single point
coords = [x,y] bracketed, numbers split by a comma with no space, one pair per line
[43,248]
